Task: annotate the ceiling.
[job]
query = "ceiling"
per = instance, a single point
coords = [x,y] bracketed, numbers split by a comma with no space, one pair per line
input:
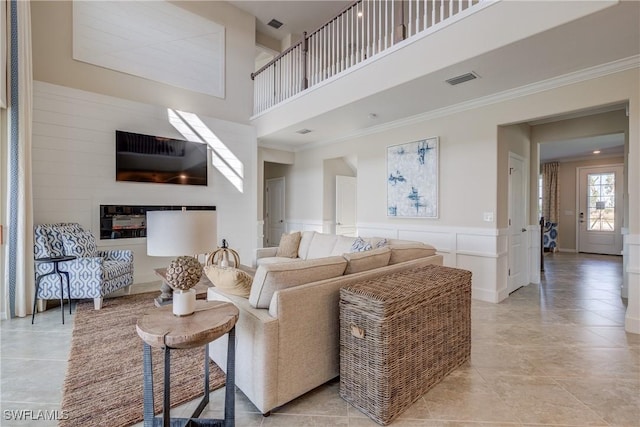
[582,148]
[297,16]
[610,35]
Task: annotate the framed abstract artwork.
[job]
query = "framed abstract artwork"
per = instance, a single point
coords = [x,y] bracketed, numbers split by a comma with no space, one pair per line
[412,179]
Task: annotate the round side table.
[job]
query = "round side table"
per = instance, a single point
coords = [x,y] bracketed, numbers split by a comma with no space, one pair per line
[56,260]
[160,328]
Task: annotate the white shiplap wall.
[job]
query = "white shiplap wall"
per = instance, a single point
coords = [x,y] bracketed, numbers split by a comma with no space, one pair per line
[74,168]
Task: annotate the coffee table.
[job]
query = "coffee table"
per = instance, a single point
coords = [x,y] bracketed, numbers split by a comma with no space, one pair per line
[160,328]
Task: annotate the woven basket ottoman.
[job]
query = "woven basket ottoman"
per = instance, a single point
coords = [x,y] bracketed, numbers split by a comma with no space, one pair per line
[401,334]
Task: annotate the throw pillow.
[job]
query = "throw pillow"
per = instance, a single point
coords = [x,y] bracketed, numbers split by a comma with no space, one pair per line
[360,245]
[367,260]
[80,244]
[289,243]
[229,280]
[382,243]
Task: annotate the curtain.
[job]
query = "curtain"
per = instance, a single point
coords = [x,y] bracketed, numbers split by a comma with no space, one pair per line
[20,274]
[550,192]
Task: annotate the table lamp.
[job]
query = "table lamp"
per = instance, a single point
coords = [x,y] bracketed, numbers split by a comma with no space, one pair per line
[182,234]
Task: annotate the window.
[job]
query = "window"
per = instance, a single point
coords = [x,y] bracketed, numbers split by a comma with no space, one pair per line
[540,183]
[601,199]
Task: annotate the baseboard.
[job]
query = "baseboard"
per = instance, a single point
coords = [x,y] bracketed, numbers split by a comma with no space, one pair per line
[567,250]
[632,325]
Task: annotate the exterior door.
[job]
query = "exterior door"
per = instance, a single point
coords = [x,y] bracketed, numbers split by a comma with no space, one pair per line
[346,205]
[600,209]
[518,268]
[275,211]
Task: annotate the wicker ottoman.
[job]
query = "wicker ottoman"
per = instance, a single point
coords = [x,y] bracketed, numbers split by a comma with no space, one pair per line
[401,334]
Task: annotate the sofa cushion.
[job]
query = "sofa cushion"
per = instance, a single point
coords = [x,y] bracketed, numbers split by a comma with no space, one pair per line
[359,245]
[229,280]
[289,243]
[273,277]
[409,251]
[79,244]
[305,243]
[343,245]
[321,246]
[367,260]
[53,232]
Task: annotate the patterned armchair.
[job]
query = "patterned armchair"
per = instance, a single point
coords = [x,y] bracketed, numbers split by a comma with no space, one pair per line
[550,236]
[93,274]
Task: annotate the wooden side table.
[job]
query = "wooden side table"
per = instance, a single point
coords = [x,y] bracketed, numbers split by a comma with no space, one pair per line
[56,260]
[160,328]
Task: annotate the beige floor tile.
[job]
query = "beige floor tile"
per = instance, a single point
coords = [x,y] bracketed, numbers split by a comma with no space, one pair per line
[467,398]
[616,401]
[324,400]
[542,400]
[288,420]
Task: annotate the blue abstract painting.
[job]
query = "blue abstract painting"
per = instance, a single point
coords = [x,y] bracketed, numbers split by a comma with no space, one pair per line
[412,179]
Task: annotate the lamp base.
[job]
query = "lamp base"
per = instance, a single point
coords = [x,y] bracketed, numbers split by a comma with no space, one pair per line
[184,302]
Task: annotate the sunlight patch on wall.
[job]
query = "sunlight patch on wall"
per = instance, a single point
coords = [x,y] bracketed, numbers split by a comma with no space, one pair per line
[193,129]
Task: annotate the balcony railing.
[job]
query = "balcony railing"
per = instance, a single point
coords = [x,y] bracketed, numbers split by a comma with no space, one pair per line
[364,29]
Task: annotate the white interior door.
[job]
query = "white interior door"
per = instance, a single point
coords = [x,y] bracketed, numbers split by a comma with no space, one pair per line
[346,187]
[274,211]
[600,210]
[518,267]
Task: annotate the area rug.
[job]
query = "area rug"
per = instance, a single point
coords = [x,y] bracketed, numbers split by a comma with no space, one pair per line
[103,384]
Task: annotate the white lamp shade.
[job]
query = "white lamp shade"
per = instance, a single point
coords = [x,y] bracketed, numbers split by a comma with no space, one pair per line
[176,233]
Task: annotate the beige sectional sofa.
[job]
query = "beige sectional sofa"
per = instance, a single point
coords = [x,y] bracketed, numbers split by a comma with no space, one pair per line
[287,335]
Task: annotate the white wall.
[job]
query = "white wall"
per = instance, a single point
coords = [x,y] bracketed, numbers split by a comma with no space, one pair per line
[53,62]
[468,178]
[74,169]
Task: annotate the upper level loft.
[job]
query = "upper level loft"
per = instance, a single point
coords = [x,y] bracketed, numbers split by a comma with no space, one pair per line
[361,31]
[381,61]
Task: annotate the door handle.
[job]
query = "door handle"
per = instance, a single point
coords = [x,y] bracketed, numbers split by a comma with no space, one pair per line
[280,221]
[524,229]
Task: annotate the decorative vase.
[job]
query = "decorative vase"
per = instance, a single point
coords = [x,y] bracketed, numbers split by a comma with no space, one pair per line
[184,302]
[183,274]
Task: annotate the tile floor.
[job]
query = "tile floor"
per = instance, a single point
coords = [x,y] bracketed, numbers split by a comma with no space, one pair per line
[551,354]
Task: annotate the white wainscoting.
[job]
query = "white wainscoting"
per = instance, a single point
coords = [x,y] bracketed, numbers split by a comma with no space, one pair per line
[631,268]
[482,251]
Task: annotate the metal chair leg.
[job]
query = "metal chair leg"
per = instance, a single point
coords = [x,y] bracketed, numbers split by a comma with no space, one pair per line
[66,273]
[35,300]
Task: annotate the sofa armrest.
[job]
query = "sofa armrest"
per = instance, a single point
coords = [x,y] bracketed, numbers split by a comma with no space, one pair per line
[117,255]
[266,252]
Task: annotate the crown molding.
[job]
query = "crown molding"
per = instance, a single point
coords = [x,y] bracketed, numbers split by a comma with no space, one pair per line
[530,89]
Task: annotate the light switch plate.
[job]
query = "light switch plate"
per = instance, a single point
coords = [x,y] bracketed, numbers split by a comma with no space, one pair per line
[488,216]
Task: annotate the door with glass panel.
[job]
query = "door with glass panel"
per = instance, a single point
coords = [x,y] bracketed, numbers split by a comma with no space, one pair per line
[600,209]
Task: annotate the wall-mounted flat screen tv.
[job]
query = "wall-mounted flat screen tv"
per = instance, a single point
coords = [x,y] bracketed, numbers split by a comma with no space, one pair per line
[145,158]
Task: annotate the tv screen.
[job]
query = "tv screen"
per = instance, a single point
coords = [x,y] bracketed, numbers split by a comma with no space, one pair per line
[145,158]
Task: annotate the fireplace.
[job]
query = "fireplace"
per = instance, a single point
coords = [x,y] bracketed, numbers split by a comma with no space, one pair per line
[130,221]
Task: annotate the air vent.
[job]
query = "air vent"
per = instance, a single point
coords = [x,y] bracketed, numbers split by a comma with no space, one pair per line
[303,131]
[462,78]
[275,23]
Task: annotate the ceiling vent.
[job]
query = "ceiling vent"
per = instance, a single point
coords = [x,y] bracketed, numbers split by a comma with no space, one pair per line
[462,78]
[303,131]
[275,23]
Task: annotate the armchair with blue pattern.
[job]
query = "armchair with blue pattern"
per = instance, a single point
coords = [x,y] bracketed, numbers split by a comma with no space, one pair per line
[93,274]
[550,236]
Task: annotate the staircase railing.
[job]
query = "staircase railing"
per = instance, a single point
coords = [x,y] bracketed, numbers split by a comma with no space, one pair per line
[360,31]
